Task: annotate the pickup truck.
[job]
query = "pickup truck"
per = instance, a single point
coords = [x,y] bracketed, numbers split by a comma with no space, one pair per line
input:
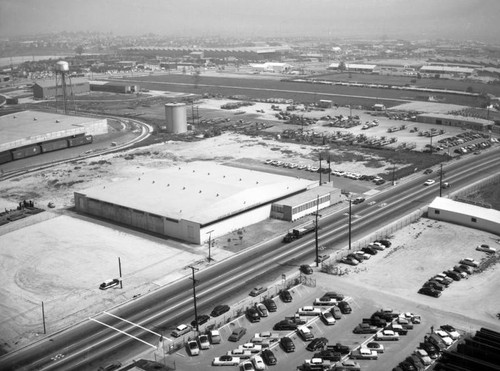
[297,319]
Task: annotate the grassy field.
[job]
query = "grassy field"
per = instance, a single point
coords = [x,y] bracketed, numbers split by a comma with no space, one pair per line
[300,92]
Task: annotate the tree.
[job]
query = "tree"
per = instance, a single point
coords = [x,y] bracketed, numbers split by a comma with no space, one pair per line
[79,50]
[342,66]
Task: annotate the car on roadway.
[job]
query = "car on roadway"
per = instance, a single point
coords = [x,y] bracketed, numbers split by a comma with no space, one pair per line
[193,348]
[358,200]
[429,291]
[373,345]
[470,262]
[237,334]
[180,330]
[269,357]
[214,336]
[317,344]
[363,353]
[327,318]
[429,182]
[219,310]
[387,335]
[285,296]
[226,361]
[427,171]
[258,290]
[306,269]
[203,341]
[287,344]
[486,248]
[270,305]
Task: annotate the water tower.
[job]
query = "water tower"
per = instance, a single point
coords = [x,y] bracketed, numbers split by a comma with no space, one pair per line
[62,70]
[175,115]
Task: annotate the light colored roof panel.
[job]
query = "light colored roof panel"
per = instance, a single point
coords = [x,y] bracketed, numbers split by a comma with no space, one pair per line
[201,192]
[474,211]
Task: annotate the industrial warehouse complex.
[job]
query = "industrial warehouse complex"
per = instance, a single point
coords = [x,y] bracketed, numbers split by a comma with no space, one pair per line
[28,133]
[191,201]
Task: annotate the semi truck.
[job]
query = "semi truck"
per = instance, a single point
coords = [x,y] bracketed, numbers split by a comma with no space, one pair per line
[295,234]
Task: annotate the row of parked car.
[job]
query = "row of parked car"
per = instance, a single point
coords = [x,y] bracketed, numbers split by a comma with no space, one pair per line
[429,350]
[436,284]
[366,252]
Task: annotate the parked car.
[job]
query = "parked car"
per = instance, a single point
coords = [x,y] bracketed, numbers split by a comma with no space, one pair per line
[347,365]
[181,330]
[328,355]
[379,348]
[287,344]
[337,314]
[327,318]
[306,269]
[453,275]
[237,334]
[429,292]
[363,353]
[258,363]
[261,308]
[305,333]
[317,344]
[269,357]
[365,328]
[349,260]
[309,311]
[384,242]
[202,318]
[258,290]
[247,366]
[226,361]
[252,314]
[344,307]
[285,296]
[435,285]
[334,295]
[377,246]
[452,332]
[338,347]
[270,305]
[444,336]
[203,341]
[285,325]
[387,335]
[193,348]
[470,262]
[369,250]
[424,356]
[463,268]
[486,248]
[219,310]
[214,336]
[431,349]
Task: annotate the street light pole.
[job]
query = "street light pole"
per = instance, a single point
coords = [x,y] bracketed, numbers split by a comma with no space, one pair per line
[441,181]
[193,269]
[209,245]
[350,208]
[316,231]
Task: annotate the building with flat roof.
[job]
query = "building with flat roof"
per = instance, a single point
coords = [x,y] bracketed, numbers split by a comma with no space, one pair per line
[30,127]
[46,89]
[468,215]
[192,200]
[473,123]
[306,203]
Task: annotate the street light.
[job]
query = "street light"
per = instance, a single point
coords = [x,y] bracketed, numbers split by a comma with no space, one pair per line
[209,244]
[193,269]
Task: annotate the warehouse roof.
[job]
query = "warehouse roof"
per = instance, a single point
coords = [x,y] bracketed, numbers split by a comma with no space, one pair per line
[443,116]
[52,82]
[307,196]
[448,69]
[201,192]
[473,211]
[25,127]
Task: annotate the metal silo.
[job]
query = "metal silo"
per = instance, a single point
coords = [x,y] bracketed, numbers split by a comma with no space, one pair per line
[175,115]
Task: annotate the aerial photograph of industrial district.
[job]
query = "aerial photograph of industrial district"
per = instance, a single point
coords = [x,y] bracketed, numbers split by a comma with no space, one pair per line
[240,185]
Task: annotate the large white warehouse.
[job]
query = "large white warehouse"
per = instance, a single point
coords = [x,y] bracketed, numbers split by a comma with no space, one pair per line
[190,201]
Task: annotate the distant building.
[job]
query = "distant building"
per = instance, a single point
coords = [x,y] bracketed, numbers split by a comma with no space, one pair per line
[472,123]
[378,107]
[465,214]
[271,67]
[47,89]
[113,87]
[448,70]
[353,67]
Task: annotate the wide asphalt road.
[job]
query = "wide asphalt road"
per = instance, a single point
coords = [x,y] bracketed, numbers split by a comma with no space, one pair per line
[89,344]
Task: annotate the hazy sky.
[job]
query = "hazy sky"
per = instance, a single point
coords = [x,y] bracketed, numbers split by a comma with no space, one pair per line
[407,19]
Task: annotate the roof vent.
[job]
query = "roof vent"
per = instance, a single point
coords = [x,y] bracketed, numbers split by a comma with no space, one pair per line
[257,182]
[139,179]
[194,171]
[217,195]
[168,185]
[57,121]
[153,182]
[34,118]
[14,116]
[240,179]
[183,188]
[199,191]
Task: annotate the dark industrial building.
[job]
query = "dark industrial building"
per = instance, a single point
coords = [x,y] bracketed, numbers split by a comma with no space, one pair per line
[113,87]
[47,89]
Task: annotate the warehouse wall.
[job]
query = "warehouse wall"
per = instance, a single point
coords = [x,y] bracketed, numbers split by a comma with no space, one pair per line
[464,219]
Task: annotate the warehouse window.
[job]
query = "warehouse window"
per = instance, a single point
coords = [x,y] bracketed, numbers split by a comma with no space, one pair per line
[436,211]
[473,220]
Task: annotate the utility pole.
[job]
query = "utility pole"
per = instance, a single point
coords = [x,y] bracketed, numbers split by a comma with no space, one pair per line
[43,319]
[350,209]
[316,230]
[431,143]
[193,269]
[441,181]
[120,271]
[329,169]
[393,174]
[320,170]
[209,244]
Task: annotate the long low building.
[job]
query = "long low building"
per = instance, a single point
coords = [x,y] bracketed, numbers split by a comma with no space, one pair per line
[191,201]
[465,214]
[26,128]
[472,123]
